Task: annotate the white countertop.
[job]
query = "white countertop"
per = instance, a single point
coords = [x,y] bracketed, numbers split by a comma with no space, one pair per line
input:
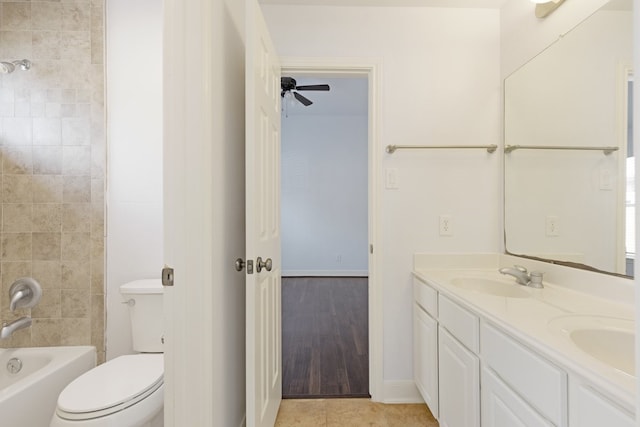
[527,319]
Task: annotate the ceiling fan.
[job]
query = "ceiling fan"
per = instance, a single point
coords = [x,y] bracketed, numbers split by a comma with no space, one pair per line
[289,87]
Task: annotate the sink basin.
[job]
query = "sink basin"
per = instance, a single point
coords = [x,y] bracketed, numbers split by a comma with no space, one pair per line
[607,339]
[490,287]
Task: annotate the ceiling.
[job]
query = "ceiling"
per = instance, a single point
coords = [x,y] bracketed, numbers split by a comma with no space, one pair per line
[348,96]
[478,4]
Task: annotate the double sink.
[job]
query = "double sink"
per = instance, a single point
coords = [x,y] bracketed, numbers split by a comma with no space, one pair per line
[609,340]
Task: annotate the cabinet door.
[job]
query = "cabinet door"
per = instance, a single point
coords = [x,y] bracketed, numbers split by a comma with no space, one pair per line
[590,409]
[501,407]
[459,383]
[425,357]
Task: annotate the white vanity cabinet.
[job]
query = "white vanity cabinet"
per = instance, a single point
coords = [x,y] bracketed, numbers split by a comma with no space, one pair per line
[512,370]
[425,344]
[459,373]
[501,407]
[589,408]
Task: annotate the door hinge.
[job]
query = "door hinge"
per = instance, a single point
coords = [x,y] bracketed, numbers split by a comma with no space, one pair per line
[167,276]
[370,249]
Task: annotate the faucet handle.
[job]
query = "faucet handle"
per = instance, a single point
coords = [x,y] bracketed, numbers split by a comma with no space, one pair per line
[25,292]
[536,279]
[520,268]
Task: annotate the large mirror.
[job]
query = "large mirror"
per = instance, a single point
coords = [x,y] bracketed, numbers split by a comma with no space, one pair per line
[569,194]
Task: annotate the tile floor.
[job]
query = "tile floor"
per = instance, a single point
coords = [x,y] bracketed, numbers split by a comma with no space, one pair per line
[351,413]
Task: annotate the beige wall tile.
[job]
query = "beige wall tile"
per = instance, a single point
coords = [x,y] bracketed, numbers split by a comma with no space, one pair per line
[16,217]
[75,303]
[75,44]
[17,189]
[16,16]
[17,160]
[76,217]
[46,246]
[46,332]
[76,16]
[53,152]
[47,217]
[47,160]
[15,44]
[76,246]
[47,16]
[47,189]
[49,305]
[48,274]
[76,189]
[46,45]
[16,246]
[76,275]
[76,331]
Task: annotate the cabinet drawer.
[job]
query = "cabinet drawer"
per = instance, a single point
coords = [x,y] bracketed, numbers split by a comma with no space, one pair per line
[541,383]
[426,297]
[459,322]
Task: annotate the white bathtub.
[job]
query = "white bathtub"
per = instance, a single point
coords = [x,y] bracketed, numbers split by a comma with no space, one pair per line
[28,397]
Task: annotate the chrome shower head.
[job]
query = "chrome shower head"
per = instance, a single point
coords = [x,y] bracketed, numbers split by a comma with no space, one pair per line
[24,64]
[9,67]
[6,67]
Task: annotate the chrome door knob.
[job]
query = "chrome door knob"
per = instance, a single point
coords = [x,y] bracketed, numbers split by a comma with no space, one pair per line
[260,264]
[240,264]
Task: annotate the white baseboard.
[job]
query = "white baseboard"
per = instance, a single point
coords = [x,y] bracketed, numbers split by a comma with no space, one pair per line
[401,392]
[327,273]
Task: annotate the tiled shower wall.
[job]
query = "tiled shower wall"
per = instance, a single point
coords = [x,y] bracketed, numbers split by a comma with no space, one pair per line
[52,150]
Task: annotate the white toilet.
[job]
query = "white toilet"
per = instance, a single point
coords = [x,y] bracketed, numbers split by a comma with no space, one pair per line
[127,391]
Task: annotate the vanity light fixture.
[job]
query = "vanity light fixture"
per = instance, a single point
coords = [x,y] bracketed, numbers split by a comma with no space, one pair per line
[545,7]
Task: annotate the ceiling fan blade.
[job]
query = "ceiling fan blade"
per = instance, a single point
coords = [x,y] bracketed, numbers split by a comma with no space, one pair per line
[302,99]
[313,87]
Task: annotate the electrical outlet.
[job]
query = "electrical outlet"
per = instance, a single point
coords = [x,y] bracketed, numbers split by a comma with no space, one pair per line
[338,259]
[552,226]
[446,225]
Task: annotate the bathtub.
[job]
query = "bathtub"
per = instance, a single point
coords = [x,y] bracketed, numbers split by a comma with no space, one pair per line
[28,394]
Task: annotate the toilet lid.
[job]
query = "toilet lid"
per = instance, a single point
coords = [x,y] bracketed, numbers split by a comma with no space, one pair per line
[112,386]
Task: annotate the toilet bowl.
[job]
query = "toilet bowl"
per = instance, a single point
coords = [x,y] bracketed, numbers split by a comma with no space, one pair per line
[127,391]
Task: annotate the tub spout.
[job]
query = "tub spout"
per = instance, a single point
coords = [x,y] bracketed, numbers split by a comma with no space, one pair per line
[9,328]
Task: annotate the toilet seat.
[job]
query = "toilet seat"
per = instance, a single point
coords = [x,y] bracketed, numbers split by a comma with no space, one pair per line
[111,387]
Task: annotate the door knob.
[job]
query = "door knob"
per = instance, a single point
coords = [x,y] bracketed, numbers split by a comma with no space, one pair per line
[240,264]
[260,264]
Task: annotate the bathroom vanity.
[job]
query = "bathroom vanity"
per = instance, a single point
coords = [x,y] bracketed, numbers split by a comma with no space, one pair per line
[489,352]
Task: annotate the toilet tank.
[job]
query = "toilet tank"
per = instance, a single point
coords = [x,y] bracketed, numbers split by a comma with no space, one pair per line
[145,313]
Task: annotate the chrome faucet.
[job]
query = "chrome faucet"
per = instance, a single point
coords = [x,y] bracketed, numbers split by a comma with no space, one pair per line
[8,329]
[25,292]
[524,278]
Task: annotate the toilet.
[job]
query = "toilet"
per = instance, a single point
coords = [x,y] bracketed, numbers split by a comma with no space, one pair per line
[127,391]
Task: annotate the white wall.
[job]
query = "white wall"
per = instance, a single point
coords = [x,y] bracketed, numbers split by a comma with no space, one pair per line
[440,84]
[134,130]
[324,195]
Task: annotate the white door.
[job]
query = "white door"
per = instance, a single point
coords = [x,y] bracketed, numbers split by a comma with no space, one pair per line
[263,306]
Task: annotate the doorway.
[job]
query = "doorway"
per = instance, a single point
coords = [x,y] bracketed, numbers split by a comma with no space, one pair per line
[325,238]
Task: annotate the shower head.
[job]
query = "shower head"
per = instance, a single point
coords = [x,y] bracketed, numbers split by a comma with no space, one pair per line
[9,67]
[6,67]
[24,64]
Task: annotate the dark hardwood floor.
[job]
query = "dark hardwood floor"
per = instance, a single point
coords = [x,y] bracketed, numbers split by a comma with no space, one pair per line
[325,346]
